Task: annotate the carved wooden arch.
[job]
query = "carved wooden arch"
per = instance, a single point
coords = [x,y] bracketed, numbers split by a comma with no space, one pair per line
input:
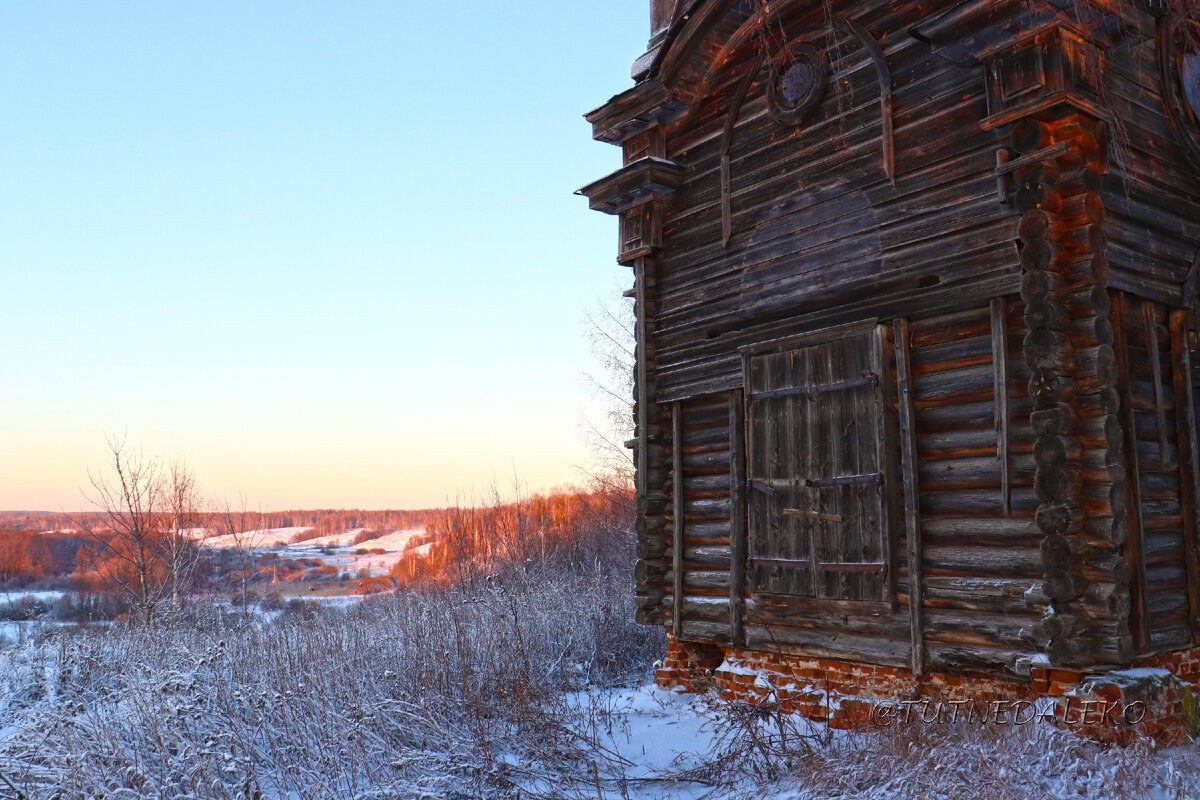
[707,36]
[884,74]
[739,97]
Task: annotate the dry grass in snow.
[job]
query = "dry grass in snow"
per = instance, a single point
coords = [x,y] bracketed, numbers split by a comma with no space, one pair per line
[517,687]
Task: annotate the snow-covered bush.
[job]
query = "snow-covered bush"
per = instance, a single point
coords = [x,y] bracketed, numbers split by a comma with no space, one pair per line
[441,693]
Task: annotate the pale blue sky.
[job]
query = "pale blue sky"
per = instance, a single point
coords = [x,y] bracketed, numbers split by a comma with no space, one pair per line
[327,252]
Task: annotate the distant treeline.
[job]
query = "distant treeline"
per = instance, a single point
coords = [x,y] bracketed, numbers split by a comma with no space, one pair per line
[325,521]
[27,557]
[574,528]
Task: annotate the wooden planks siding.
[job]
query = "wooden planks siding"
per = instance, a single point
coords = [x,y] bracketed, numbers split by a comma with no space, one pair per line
[701,455]
[1151,194]
[819,519]
[819,235]
[983,571]
[1160,548]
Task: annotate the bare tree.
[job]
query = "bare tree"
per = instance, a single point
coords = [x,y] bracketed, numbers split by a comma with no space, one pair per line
[182,534]
[145,550]
[242,528]
[610,335]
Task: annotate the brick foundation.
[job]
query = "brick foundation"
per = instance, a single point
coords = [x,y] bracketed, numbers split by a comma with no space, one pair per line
[1156,698]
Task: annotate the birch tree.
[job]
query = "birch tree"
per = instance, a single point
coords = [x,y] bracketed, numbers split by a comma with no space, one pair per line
[145,550]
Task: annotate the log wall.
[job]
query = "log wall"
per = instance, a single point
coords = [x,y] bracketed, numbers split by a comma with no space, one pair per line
[699,505]
[819,235]
[983,571]
[1160,543]
[1151,192]
[981,561]
[1034,258]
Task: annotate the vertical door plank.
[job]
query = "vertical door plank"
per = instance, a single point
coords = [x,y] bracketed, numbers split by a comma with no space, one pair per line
[782,580]
[912,505]
[737,519]
[1155,356]
[677,511]
[1134,551]
[1185,429]
[1000,367]
[837,539]
[823,447]
[888,498]
[792,544]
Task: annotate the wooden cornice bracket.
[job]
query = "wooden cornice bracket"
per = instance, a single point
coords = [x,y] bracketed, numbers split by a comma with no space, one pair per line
[633,111]
[649,178]
[1042,69]
[995,23]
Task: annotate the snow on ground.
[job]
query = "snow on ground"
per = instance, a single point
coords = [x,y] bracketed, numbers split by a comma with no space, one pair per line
[336,549]
[674,745]
[266,537]
[650,744]
[16,596]
[652,733]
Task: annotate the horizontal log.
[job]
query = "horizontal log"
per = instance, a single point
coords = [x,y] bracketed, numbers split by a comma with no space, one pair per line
[709,609]
[977,659]
[833,645]
[995,630]
[1000,561]
[999,529]
[706,579]
[705,631]
[715,556]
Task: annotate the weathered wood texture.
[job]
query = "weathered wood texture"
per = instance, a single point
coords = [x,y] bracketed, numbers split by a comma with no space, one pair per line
[703,513]
[1164,546]
[1028,253]
[1151,194]
[818,513]
[650,456]
[818,234]
[1080,479]
[981,563]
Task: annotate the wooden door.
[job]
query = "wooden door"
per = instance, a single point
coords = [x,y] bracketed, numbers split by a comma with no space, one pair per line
[818,513]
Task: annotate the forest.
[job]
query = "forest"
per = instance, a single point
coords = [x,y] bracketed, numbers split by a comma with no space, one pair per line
[89,563]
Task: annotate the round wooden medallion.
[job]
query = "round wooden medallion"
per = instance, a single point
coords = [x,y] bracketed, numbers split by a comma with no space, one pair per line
[1189,74]
[1179,62]
[797,84]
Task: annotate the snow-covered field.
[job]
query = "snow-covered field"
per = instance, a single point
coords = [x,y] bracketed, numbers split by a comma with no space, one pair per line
[260,538]
[17,596]
[337,549]
[535,688]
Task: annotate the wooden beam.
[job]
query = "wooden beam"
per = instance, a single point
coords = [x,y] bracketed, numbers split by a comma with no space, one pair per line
[884,76]
[871,567]
[1000,382]
[884,356]
[1189,453]
[737,519]
[1133,551]
[815,391]
[726,143]
[800,512]
[912,505]
[642,394]
[1160,413]
[677,513]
